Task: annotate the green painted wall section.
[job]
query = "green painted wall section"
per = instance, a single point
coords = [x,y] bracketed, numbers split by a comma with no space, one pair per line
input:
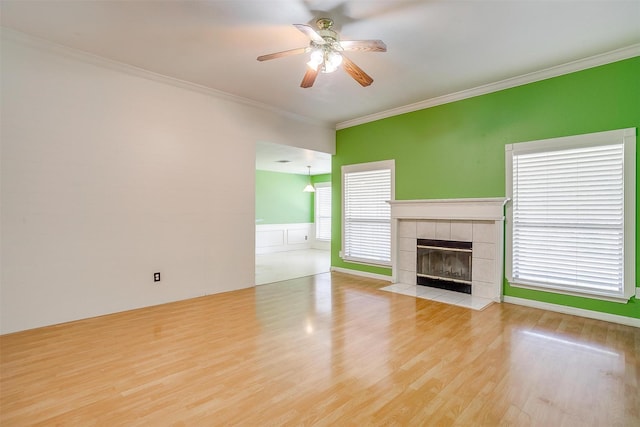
[456,150]
[316,179]
[280,199]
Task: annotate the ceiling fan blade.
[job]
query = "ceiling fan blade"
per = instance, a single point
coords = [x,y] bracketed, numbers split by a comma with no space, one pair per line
[283,53]
[364,45]
[309,77]
[311,33]
[356,72]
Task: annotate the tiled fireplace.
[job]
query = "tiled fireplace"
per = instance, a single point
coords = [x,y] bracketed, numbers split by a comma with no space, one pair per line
[477,221]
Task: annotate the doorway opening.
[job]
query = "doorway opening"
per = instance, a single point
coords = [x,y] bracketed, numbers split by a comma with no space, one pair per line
[293,227]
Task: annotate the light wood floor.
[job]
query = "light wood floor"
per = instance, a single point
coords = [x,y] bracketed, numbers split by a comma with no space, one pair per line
[324,350]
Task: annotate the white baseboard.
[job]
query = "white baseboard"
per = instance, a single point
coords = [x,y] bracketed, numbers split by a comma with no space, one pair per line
[323,245]
[614,318]
[362,274]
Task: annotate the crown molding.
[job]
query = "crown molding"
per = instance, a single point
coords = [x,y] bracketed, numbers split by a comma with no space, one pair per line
[89,58]
[80,55]
[559,70]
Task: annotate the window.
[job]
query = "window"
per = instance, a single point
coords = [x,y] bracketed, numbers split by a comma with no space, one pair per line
[571,220]
[366,215]
[323,211]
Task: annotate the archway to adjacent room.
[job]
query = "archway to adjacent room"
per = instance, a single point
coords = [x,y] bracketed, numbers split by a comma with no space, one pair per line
[293,226]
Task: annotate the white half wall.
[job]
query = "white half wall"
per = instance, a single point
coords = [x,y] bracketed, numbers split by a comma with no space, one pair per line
[283,237]
[108,177]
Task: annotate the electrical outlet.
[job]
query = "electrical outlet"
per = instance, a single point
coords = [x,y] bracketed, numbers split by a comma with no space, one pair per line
[156,277]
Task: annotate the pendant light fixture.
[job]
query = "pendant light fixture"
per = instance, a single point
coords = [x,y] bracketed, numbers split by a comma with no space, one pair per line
[309,188]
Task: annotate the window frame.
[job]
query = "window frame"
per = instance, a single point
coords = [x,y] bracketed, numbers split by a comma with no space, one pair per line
[321,185]
[626,137]
[366,167]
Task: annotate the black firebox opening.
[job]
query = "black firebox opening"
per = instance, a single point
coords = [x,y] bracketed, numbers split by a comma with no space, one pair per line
[442,284]
[444,264]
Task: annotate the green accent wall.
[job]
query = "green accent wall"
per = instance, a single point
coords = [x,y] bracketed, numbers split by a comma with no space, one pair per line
[316,179]
[280,199]
[456,150]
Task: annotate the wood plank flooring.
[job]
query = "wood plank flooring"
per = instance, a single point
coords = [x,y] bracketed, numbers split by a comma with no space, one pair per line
[326,350]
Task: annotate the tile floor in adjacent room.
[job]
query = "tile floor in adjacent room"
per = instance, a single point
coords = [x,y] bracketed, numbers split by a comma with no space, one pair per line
[279,266]
[441,295]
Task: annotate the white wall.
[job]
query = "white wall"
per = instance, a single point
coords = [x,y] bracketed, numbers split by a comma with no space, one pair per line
[107,177]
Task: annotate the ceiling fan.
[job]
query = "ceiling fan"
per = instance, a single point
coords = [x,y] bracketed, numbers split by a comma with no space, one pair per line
[327,53]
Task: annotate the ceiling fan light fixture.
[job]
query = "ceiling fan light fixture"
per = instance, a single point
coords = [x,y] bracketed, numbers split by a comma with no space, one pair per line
[324,60]
[325,48]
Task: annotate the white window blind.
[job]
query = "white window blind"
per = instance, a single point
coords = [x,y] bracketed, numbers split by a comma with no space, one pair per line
[568,216]
[323,211]
[367,215]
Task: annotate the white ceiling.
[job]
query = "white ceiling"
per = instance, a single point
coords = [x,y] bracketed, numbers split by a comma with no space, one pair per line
[435,47]
[272,157]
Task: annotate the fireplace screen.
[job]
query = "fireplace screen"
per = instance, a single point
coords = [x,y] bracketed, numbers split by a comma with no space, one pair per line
[444,264]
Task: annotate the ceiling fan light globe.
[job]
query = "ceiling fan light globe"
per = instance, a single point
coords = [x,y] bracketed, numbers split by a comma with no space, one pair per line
[329,67]
[316,57]
[335,59]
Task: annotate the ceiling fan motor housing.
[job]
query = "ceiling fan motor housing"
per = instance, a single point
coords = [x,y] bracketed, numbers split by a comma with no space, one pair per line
[325,31]
[324,23]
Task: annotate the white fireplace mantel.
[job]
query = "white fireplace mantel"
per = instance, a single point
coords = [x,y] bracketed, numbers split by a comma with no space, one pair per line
[484,209]
[480,221]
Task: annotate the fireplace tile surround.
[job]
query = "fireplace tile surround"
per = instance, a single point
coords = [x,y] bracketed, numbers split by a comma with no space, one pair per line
[480,221]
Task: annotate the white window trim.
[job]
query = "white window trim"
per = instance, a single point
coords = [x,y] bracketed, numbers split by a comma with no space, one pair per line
[316,210]
[628,138]
[362,167]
